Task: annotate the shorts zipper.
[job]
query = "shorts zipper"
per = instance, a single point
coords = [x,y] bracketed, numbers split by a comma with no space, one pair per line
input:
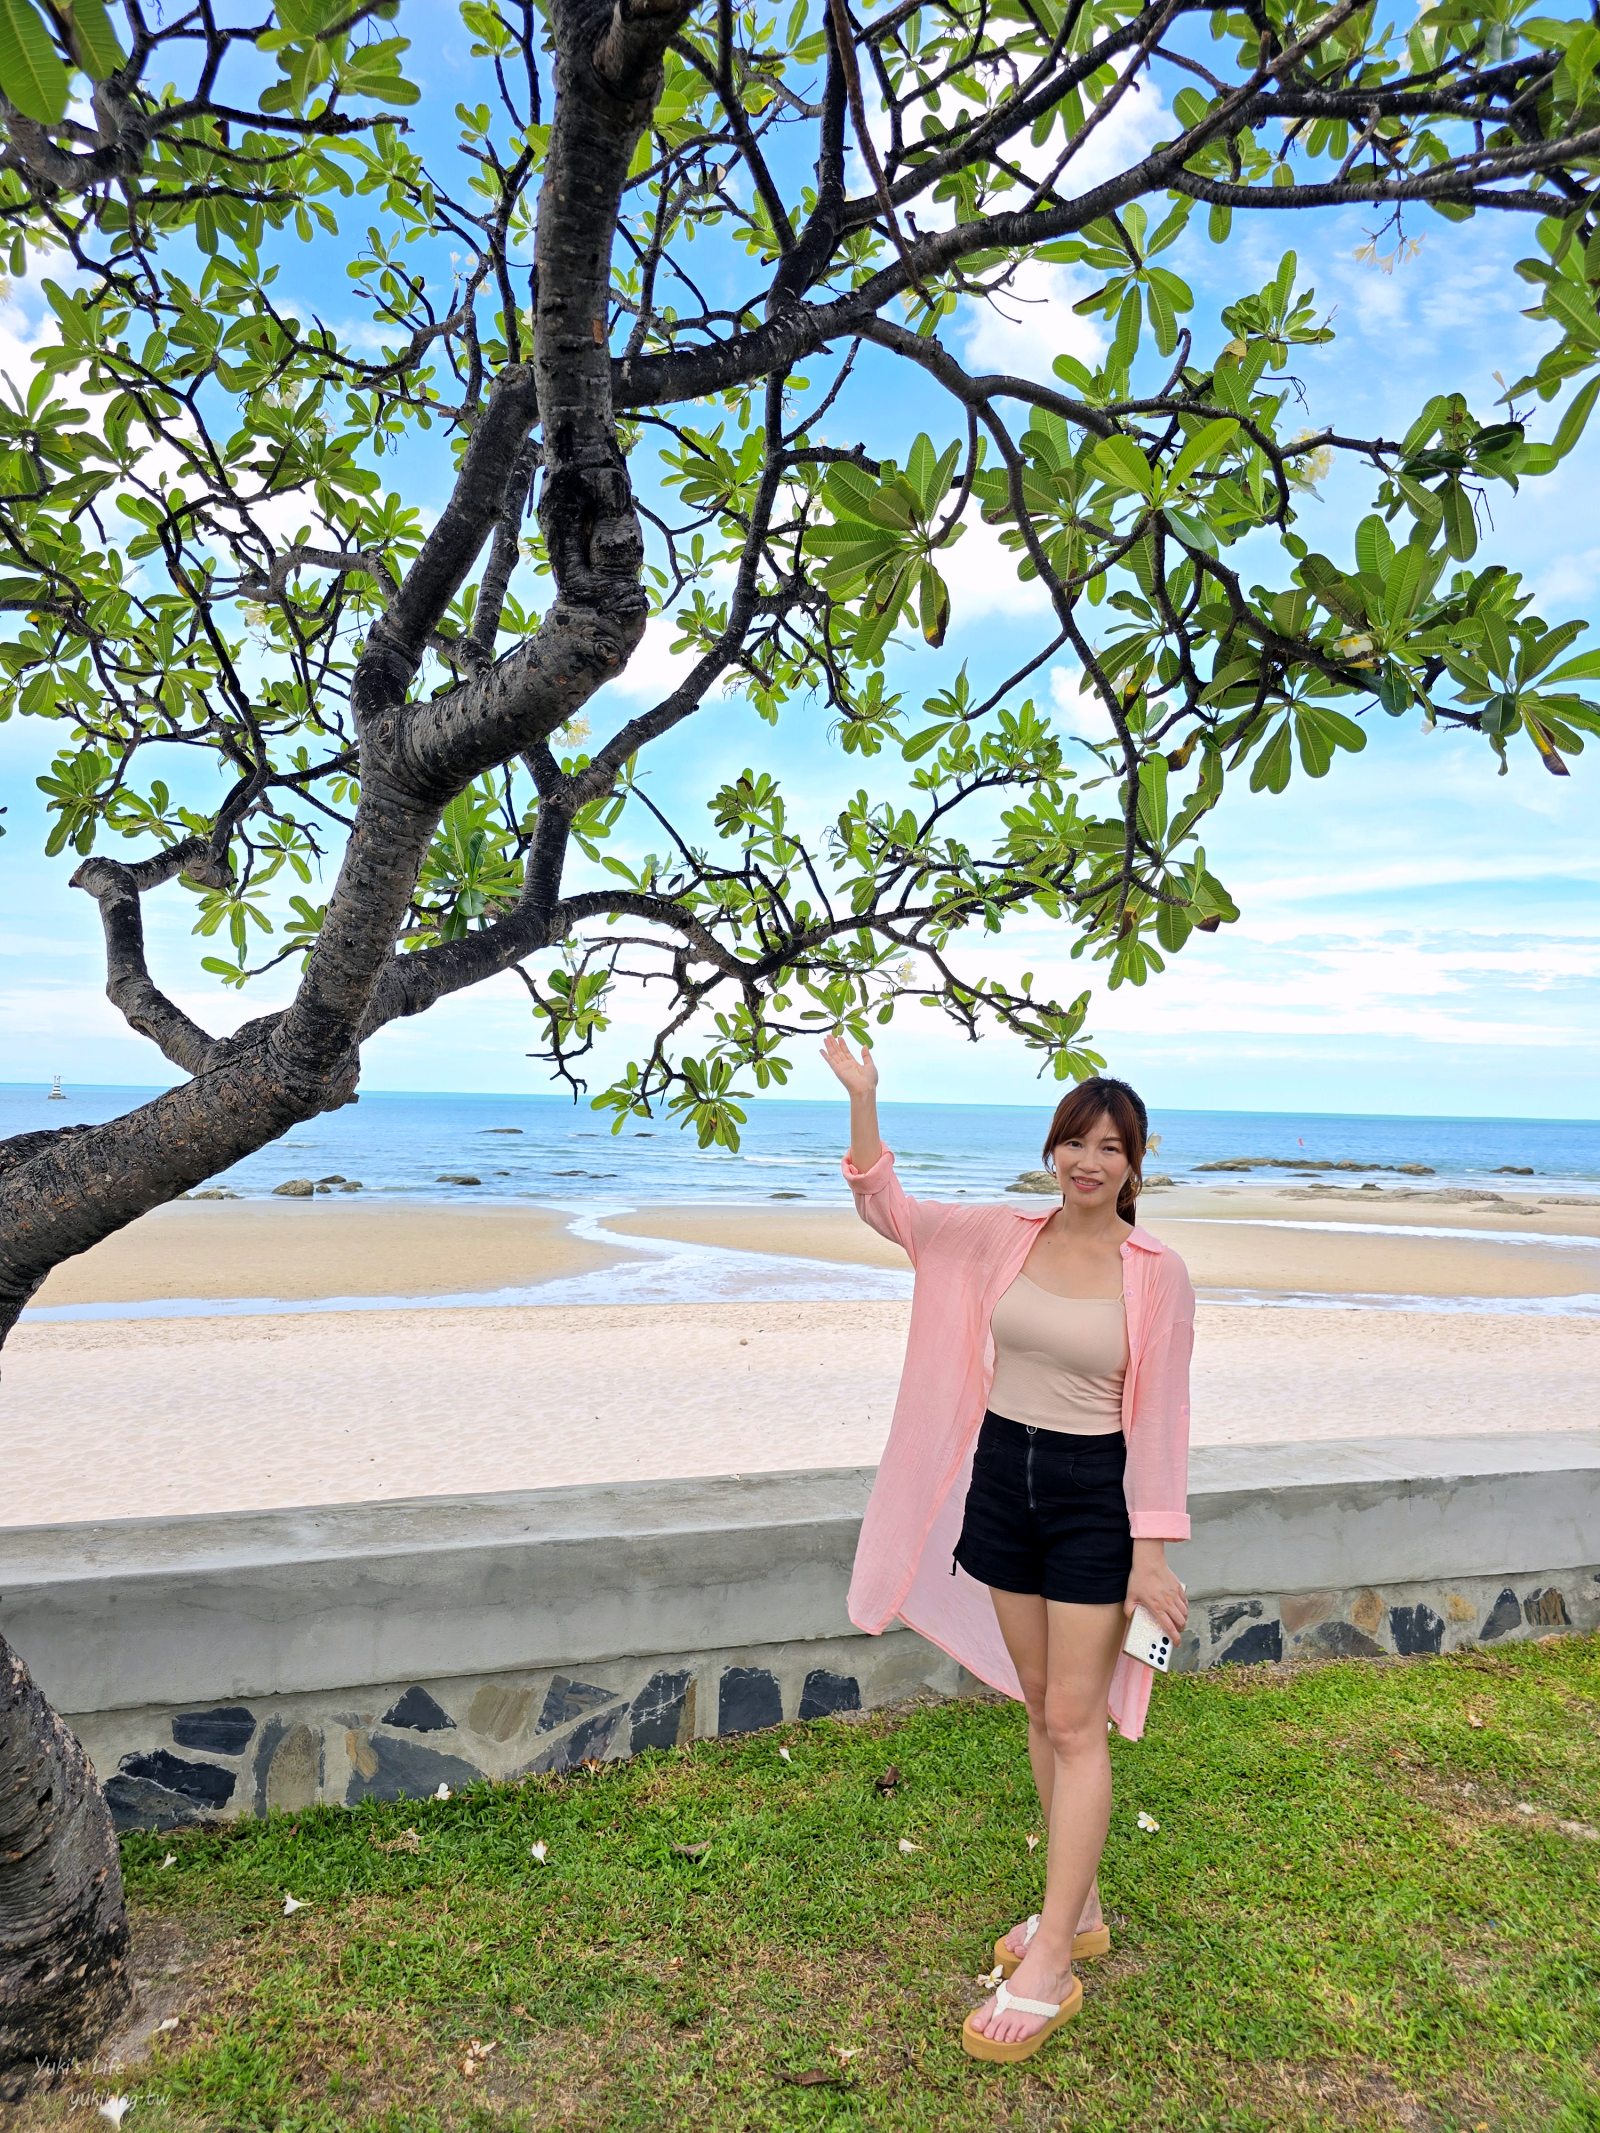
[1029,1427]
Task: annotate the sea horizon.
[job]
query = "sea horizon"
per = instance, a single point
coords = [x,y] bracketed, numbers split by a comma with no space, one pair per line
[541,1145]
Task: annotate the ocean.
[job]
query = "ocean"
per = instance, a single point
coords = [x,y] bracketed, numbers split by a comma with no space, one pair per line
[549,1149]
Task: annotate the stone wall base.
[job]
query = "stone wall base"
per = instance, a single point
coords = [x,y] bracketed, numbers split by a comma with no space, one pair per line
[404,1739]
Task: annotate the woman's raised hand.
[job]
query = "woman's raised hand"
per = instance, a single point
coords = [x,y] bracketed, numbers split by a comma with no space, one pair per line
[860,1076]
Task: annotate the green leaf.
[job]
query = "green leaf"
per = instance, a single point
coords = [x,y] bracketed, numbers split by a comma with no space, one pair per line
[1124,466]
[1205,444]
[1460,527]
[31,71]
[94,41]
[1571,426]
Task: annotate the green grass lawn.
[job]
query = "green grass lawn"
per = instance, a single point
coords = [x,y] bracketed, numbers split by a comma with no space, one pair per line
[1373,1901]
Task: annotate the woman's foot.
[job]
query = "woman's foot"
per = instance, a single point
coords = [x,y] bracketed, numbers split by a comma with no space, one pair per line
[1041,1976]
[1016,1940]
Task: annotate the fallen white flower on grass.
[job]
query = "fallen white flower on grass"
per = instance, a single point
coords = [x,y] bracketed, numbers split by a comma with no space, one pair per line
[1033,1843]
[1147,1821]
[170,1860]
[114,2107]
[906,1845]
[991,1978]
[290,1903]
[788,1758]
[443,1793]
[170,2023]
[539,1850]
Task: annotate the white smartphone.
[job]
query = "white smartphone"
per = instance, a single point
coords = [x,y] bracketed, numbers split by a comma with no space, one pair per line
[1147,1640]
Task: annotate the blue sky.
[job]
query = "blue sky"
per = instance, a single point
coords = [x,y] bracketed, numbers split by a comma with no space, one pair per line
[1418,934]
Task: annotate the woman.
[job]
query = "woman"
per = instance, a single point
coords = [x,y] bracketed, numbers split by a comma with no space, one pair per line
[1054,1505]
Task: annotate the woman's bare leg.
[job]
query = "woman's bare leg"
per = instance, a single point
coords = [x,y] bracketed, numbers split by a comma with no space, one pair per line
[1024,1624]
[1082,1643]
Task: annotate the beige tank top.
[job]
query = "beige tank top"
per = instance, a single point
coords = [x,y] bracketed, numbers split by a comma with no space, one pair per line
[1059,1360]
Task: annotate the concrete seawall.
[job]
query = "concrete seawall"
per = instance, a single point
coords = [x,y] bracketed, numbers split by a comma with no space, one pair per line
[229,1664]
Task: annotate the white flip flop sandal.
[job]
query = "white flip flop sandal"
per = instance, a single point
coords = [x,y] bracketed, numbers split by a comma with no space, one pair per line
[1095,1940]
[1055,2012]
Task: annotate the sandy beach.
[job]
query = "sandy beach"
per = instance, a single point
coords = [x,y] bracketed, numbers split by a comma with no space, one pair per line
[1300,1333]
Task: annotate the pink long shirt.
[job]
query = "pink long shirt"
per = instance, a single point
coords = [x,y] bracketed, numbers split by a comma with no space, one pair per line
[964,1258]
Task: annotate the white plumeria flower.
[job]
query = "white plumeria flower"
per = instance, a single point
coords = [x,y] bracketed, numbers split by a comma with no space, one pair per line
[114,2108]
[1033,1843]
[291,1903]
[1147,1821]
[788,1758]
[443,1793]
[170,1860]
[539,1850]
[906,1845]
[170,2023]
[991,1978]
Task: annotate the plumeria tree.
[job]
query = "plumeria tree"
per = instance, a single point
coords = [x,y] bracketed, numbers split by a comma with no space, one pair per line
[640,324]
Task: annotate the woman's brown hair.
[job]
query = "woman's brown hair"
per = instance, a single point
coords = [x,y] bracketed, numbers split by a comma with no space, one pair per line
[1077,1112]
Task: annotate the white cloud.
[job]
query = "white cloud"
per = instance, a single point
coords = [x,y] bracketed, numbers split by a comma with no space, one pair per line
[1023,327]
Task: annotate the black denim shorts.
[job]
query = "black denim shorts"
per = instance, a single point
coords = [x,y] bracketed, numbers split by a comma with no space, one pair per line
[1045,1512]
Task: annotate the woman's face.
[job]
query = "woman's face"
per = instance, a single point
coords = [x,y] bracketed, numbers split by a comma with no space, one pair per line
[1093,1165]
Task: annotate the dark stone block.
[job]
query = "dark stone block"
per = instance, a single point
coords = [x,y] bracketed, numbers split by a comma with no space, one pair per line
[136,1803]
[407,1771]
[224,1731]
[1546,1607]
[1223,1618]
[207,1783]
[657,1711]
[748,1698]
[1416,1629]
[1341,1640]
[1262,1640]
[418,1710]
[1504,1616]
[271,1733]
[566,1699]
[592,1738]
[827,1692]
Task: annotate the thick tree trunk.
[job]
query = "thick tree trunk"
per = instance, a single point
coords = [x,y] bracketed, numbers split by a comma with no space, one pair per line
[63,1930]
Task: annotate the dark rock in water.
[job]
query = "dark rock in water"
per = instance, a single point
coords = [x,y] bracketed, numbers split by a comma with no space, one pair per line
[1035,1181]
[351,1185]
[295,1189]
[499,1129]
[457,1177]
[786,1196]
[214,1192]
[1299,1162]
[334,1177]
[1512,1170]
